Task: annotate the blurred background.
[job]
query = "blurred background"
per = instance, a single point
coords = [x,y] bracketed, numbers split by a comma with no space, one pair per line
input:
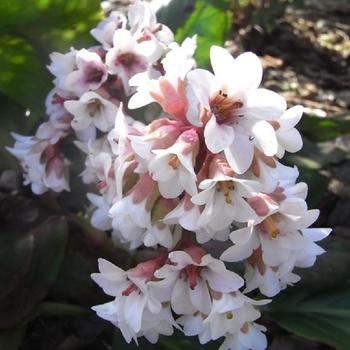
[47,253]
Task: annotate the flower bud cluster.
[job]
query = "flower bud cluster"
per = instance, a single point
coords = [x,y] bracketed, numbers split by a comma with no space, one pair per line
[206,166]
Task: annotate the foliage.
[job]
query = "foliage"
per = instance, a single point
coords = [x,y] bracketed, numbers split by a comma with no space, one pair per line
[176,13]
[325,129]
[211,21]
[30,263]
[29,31]
[319,308]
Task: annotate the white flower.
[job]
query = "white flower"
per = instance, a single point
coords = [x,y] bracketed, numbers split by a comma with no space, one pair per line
[191,278]
[249,338]
[186,214]
[235,110]
[223,198]
[134,310]
[92,109]
[138,216]
[159,134]
[49,132]
[90,73]
[269,172]
[128,57]
[100,218]
[98,162]
[61,66]
[43,164]
[55,100]
[269,280]
[169,89]
[288,136]
[105,29]
[144,26]
[130,219]
[231,316]
[280,242]
[173,169]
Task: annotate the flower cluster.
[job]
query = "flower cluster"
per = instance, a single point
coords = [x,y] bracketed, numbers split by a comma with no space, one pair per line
[205,167]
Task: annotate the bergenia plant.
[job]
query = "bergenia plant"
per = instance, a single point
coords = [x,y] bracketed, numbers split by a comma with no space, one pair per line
[206,166]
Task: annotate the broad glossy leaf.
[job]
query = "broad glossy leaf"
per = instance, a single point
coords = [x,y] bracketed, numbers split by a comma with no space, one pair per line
[324,129]
[10,339]
[56,23]
[175,13]
[318,307]
[74,281]
[15,257]
[310,160]
[317,184]
[49,243]
[23,78]
[30,30]
[211,21]
[324,317]
[331,269]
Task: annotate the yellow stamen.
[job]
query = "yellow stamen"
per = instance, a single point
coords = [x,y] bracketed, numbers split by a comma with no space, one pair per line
[226,187]
[270,226]
[94,106]
[229,315]
[245,328]
[174,162]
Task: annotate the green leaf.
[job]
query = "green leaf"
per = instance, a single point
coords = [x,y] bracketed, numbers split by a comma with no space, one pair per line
[30,30]
[211,21]
[74,281]
[175,14]
[56,23]
[10,339]
[318,307]
[15,258]
[49,243]
[23,76]
[317,184]
[331,270]
[324,129]
[310,160]
[324,317]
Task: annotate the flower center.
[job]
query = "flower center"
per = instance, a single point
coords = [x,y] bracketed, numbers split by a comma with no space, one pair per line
[174,162]
[224,107]
[127,59]
[191,273]
[269,226]
[94,75]
[129,290]
[49,153]
[94,106]
[229,315]
[225,187]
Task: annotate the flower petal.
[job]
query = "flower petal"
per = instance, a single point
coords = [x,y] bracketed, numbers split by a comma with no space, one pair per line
[240,153]
[221,61]
[246,73]
[202,82]
[265,137]
[218,137]
[265,104]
